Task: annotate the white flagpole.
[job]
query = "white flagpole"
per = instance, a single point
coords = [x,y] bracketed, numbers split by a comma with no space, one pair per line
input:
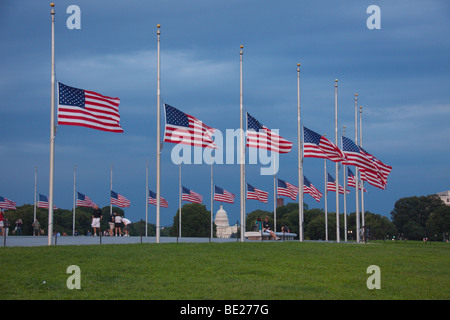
[336,164]
[52,134]
[326,199]
[362,183]
[158,138]
[274,199]
[74,198]
[242,155]
[179,213]
[110,203]
[356,171]
[345,195]
[146,201]
[300,160]
[212,199]
[35,191]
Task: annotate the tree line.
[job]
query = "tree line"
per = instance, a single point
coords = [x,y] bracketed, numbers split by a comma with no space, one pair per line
[412,218]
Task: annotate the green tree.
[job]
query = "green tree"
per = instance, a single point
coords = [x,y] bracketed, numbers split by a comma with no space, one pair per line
[410,214]
[438,223]
[195,221]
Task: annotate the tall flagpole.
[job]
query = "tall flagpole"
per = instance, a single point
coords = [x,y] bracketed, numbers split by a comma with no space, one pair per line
[110,203]
[362,183]
[212,199]
[336,164]
[326,198]
[180,197]
[242,155]
[146,201]
[274,199]
[35,191]
[74,198]
[356,171]
[158,137]
[300,160]
[52,133]
[345,195]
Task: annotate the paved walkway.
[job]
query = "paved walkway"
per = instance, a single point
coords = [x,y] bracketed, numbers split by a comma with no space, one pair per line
[31,241]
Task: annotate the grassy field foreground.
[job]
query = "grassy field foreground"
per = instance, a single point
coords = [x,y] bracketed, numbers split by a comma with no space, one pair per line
[259,271]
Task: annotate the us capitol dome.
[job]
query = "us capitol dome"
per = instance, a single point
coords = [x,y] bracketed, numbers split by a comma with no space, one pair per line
[223,228]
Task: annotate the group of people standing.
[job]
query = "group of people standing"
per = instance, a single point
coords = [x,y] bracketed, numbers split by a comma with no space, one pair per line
[115,223]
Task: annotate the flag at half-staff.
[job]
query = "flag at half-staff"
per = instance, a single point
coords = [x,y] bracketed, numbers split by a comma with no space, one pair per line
[317,146]
[152,199]
[191,196]
[309,188]
[7,204]
[286,189]
[43,202]
[223,195]
[331,185]
[256,194]
[356,157]
[186,129]
[79,107]
[377,179]
[351,180]
[84,201]
[119,200]
[259,136]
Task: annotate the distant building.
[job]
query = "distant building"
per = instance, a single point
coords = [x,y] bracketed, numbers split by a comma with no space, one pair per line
[445,196]
[223,228]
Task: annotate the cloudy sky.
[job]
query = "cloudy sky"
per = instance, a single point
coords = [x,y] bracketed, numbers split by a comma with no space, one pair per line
[400,72]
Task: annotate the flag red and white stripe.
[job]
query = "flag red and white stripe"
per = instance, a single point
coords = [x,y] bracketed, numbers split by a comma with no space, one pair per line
[317,146]
[7,204]
[308,187]
[259,136]
[191,196]
[79,107]
[84,201]
[223,195]
[43,202]
[186,129]
[286,189]
[256,194]
[152,199]
[119,200]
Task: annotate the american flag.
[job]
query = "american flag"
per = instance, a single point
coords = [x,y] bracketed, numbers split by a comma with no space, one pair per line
[331,185]
[152,199]
[377,179]
[259,136]
[119,200]
[351,180]
[223,195]
[355,156]
[256,194]
[191,196]
[43,202]
[317,146]
[308,187]
[186,129]
[7,204]
[84,201]
[78,107]
[286,189]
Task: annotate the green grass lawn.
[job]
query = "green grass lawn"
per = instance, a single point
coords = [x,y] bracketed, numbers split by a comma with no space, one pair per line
[257,271]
